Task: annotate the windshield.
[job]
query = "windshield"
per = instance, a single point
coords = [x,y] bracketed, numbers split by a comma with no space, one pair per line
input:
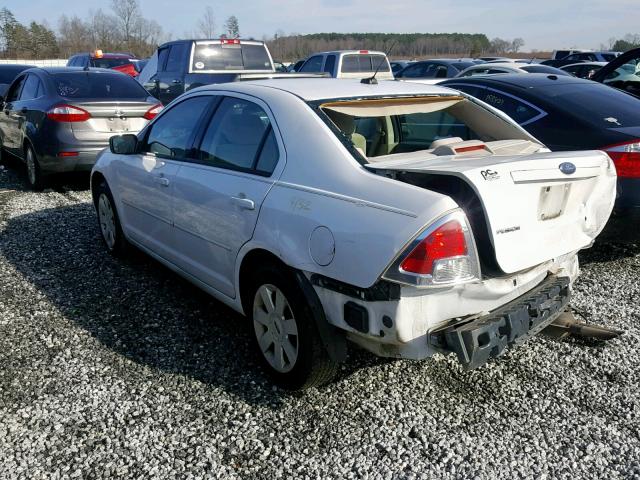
[215,56]
[109,62]
[358,63]
[90,85]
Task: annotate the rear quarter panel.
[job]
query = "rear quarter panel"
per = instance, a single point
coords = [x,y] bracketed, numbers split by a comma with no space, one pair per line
[371,217]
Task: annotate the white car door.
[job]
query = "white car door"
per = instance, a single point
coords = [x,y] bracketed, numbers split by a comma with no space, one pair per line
[145,180]
[218,196]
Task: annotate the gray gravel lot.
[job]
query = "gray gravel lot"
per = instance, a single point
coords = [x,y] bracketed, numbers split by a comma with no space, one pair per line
[114,368]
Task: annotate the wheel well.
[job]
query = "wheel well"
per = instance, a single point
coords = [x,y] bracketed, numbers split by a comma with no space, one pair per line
[96,178]
[251,260]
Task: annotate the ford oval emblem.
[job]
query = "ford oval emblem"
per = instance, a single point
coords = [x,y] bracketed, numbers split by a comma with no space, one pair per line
[567,168]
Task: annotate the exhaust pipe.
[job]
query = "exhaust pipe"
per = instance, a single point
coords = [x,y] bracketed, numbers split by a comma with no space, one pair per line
[566,324]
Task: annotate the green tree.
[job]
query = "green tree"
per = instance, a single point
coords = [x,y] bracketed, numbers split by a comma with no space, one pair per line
[232,27]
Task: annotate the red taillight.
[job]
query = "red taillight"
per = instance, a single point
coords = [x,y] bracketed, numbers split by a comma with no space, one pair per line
[230,41]
[471,148]
[446,241]
[626,158]
[364,51]
[68,113]
[153,111]
[68,154]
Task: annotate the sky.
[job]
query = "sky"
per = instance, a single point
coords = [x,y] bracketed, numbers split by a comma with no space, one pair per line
[543,24]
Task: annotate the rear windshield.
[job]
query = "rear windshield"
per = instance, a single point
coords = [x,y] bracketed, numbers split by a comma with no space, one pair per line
[542,69]
[357,63]
[109,62]
[599,105]
[97,85]
[213,56]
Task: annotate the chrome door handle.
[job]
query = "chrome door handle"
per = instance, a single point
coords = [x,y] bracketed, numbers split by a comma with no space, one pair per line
[244,202]
[176,80]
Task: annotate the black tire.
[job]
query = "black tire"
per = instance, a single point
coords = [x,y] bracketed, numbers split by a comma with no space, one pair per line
[35,178]
[313,366]
[112,235]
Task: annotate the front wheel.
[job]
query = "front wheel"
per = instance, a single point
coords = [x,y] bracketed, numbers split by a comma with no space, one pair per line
[285,332]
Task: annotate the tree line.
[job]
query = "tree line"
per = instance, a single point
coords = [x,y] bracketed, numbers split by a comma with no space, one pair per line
[407,45]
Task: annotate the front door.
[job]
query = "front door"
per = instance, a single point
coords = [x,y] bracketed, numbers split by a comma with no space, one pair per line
[11,118]
[217,198]
[146,180]
[171,77]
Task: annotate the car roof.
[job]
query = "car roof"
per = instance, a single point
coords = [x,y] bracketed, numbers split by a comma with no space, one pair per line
[532,80]
[584,64]
[54,70]
[311,89]
[211,40]
[480,66]
[349,52]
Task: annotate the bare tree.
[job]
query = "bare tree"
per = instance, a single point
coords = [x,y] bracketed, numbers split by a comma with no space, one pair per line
[128,14]
[104,30]
[516,44]
[74,35]
[207,24]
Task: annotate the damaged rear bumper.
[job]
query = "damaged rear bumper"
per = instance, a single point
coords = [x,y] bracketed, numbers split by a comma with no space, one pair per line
[478,340]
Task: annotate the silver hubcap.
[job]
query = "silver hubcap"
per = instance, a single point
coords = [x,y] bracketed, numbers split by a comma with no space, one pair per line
[31,167]
[275,328]
[107,221]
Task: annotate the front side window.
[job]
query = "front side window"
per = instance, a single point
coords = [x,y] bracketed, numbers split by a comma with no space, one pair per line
[171,135]
[314,64]
[239,137]
[14,92]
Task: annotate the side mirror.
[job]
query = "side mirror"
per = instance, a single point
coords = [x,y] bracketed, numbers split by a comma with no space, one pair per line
[124,144]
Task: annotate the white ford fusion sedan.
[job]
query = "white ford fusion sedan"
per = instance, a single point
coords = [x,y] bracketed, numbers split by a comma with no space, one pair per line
[407,219]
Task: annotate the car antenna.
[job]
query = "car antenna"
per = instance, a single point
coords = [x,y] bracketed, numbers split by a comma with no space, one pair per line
[372,80]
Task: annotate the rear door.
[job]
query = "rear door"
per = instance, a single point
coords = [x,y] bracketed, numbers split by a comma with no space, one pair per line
[218,196]
[171,77]
[145,181]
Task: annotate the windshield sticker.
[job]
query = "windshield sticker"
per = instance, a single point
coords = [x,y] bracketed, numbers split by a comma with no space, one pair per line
[490,175]
[199,65]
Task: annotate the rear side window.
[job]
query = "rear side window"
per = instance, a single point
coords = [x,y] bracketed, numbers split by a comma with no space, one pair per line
[90,85]
[364,63]
[232,56]
[176,57]
[30,89]
[314,64]
[239,137]
[329,64]
[521,111]
[170,136]
[162,58]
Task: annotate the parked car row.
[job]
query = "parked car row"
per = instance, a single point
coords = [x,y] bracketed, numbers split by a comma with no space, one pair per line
[403,217]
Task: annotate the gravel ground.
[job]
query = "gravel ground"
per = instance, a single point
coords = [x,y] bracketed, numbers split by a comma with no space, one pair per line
[121,369]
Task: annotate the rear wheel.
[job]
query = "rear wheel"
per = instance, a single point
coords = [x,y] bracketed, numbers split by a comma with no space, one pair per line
[34,173]
[285,332]
[109,222]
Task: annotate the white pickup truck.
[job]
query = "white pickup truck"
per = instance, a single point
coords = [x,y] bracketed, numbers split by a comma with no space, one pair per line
[407,219]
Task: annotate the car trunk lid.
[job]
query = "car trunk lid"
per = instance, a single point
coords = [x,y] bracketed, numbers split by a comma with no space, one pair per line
[537,206]
[110,118]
